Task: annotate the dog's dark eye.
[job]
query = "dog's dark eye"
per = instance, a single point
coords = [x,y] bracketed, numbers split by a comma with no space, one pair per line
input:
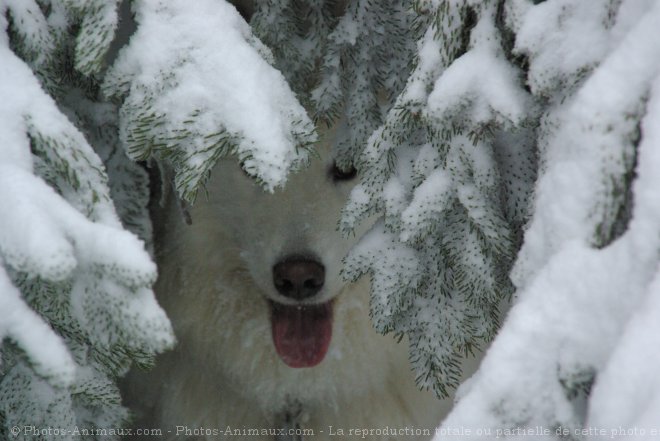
[339,174]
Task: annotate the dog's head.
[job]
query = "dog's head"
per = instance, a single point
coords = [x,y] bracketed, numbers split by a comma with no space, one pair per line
[289,245]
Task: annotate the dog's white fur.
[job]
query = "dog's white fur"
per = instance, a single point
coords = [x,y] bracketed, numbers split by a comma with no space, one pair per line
[215,277]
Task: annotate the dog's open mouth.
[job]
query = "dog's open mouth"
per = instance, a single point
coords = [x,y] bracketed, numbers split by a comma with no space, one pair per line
[301,333]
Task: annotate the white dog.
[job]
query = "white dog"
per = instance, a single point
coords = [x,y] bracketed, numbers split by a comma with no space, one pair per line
[272,343]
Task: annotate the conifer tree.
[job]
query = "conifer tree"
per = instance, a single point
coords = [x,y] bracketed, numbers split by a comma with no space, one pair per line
[506,150]
[497,93]
[438,168]
[572,357]
[75,285]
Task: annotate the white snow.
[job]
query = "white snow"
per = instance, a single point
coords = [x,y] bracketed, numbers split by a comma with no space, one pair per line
[429,200]
[582,310]
[585,307]
[562,37]
[70,235]
[34,27]
[196,65]
[391,263]
[46,350]
[595,135]
[480,86]
[627,390]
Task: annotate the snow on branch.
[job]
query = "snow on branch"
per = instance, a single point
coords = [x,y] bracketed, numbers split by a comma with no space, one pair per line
[612,400]
[434,172]
[196,86]
[47,352]
[298,40]
[75,287]
[480,90]
[97,30]
[363,69]
[588,269]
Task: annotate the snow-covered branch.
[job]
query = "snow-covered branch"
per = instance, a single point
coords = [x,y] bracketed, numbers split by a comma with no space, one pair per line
[196,86]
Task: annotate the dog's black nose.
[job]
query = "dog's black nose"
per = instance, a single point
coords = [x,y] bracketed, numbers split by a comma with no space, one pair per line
[298,277]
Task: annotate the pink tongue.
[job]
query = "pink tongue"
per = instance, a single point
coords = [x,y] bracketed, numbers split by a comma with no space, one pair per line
[301,333]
